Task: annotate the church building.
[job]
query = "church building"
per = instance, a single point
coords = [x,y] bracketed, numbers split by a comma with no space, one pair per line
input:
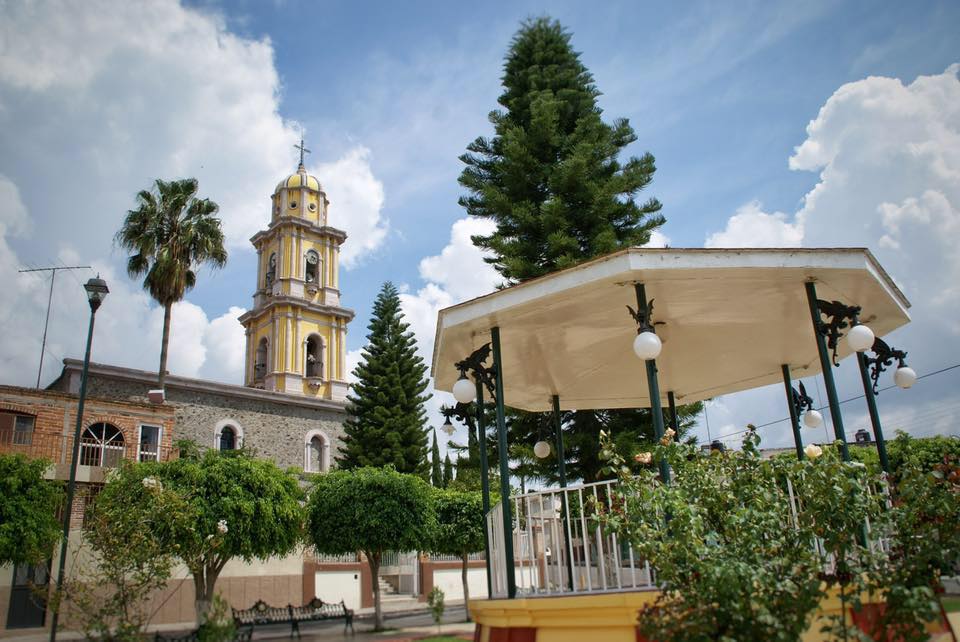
[290,407]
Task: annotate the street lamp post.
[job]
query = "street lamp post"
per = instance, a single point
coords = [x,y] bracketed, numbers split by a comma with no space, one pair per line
[96,292]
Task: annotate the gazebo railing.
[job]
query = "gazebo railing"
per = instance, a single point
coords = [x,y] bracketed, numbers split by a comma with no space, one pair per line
[558,551]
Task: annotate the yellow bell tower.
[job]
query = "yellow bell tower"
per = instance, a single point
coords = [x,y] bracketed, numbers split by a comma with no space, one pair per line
[296,332]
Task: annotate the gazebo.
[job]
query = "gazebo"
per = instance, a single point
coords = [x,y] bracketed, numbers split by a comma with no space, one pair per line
[650,328]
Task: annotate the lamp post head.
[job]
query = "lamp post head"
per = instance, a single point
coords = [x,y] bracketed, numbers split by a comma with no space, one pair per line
[860,338]
[904,376]
[96,292]
[541,449]
[464,390]
[447,427]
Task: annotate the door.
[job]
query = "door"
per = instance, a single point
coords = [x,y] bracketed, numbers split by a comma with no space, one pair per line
[28,604]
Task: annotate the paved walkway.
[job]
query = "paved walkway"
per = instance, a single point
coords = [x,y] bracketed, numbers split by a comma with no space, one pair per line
[403,627]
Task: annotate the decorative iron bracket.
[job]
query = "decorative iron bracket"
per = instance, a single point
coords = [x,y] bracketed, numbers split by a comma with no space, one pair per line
[462,412]
[643,317]
[801,400]
[842,316]
[883,359]
[474,365]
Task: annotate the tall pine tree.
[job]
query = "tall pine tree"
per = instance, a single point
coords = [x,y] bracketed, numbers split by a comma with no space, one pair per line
[447,471]
[436,476]
[385,414]
[550,177]
[551,180]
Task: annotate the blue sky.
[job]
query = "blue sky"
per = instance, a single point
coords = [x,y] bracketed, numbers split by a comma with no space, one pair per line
[95,101]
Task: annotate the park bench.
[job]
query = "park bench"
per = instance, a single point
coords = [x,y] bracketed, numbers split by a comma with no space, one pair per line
[315,610]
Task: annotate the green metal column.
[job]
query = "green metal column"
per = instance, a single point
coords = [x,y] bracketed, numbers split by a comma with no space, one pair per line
[672,408]
[827,367]
[874,415]
[656,409]
[484,480]
[504,467]
[794,419]
[562,471]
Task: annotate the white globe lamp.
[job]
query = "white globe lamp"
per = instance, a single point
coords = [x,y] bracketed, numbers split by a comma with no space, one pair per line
[905,376]
[647,345]
[464,391]
[860,338]
[812,419]
[541,449]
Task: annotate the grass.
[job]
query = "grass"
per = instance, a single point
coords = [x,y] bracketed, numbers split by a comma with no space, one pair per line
[951,604]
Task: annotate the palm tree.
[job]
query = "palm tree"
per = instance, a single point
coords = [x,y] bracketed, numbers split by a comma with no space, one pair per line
[169,234]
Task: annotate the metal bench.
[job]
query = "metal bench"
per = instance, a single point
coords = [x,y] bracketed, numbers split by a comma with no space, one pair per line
[315,610]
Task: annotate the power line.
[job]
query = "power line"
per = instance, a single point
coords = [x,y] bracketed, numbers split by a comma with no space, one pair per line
[53,276]
[777,421]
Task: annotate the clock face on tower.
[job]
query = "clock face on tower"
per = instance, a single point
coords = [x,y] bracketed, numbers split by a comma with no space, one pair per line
[296,329]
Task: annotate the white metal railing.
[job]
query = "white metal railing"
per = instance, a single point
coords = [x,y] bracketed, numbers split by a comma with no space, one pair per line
[557,551]
[472,557]
[558,548]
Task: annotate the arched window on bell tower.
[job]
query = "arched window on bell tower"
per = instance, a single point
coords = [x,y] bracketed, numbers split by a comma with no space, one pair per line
[313,356]
[271,274]
[311,273]
[260,365]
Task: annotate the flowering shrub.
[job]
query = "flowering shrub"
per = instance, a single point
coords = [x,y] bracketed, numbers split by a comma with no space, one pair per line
[733,545]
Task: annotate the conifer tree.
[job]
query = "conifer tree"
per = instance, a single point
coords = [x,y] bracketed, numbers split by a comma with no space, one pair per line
[551,180]
[447,471]
[436,477]
[550,176]
[385,413]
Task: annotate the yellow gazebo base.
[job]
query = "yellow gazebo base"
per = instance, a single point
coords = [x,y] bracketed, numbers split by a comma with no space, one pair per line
[604,616]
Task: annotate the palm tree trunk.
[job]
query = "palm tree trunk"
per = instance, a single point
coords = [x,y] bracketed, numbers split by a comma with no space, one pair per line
[164,342]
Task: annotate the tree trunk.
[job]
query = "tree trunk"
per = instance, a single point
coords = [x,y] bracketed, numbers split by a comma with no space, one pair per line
[466,587]
[373,559]
[204,586]
[163,344]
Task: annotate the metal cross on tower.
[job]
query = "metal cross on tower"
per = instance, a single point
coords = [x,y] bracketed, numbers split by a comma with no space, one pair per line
[303,150]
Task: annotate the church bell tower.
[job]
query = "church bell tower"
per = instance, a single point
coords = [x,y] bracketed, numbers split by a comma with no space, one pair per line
[296,331]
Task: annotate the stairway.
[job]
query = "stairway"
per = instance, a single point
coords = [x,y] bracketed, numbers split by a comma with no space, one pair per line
[391,600]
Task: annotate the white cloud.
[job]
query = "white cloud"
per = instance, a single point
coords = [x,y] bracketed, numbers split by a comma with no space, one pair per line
[888,157]
[356,200]
[750,226]
[457,274]
[13,213]
[106,97]
[226,348]
[658,239]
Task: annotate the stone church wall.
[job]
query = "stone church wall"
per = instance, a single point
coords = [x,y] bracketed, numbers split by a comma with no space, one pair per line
[273,429]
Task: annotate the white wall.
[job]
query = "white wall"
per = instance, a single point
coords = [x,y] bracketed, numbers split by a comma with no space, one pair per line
[333,586]
[450,583]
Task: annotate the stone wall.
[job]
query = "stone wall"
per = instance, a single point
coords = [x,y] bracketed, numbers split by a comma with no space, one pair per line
[272,428]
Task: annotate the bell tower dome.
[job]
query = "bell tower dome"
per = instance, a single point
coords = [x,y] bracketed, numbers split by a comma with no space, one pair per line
[296,330]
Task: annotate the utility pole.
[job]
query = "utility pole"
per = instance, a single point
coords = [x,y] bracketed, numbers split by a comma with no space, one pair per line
[53,277]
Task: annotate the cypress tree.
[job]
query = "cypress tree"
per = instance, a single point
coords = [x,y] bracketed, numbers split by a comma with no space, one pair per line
[551,180]
[385,414]
[447,471]
[550,177]
[436,477]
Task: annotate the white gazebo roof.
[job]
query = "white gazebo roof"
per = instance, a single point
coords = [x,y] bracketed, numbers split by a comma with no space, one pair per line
[733,316]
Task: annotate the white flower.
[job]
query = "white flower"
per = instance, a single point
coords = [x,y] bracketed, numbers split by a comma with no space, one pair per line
[813,451]
[669,433]
[643,458]
[152,483]
[222,526]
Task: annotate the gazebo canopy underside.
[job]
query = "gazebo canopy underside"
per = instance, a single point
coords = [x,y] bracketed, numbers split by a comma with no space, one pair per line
[732,317]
